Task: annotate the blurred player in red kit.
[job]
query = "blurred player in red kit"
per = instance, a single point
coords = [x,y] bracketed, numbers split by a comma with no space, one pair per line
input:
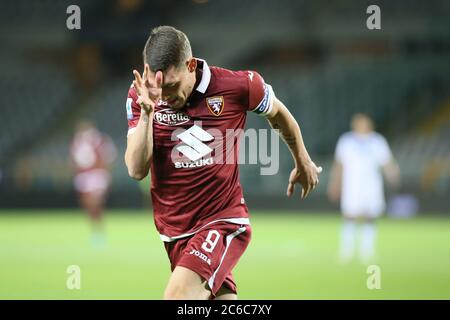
[92,154]
[173,108]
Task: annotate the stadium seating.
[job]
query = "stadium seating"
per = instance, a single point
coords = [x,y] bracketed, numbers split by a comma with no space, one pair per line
[33,97]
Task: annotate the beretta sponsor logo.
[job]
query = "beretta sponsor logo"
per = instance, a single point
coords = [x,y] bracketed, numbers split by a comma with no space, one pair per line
[170,117]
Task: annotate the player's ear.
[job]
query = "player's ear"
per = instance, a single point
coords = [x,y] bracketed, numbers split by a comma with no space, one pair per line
[191,64]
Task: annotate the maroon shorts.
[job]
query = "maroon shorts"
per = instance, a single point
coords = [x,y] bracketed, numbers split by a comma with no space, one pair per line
[212,253]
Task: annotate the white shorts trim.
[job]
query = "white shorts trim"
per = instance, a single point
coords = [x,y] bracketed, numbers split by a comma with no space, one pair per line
[230,238]
[244,221]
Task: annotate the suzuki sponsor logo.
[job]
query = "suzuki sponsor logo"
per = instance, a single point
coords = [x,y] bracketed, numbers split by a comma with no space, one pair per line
[170,117]
[197,147]
[193,146]
[194,164]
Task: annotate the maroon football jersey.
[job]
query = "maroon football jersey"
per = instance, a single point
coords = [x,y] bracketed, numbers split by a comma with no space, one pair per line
[92,150]
[194,169]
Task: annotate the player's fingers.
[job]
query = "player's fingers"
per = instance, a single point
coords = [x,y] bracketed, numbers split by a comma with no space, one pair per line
[144,75]
[147,76]
[306,191]
[290,189]
[305,195]
[136,87]
[314,180]
[159,79]
[314,183]
[138,78]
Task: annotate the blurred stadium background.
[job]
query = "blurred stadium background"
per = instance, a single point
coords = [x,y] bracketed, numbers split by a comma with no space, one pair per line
[322,62]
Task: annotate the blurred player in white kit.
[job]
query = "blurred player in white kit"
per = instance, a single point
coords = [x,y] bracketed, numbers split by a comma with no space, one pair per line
[361,156]
[92,154]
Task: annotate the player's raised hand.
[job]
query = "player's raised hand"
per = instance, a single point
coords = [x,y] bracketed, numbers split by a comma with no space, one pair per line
[307,175]
[149,90]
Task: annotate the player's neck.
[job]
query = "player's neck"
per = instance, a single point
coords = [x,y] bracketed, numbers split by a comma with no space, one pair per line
[363,134]
[198,77]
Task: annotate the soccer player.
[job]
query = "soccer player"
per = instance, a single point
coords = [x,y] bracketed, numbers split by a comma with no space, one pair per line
[92,154]
[173,110]
[356,180]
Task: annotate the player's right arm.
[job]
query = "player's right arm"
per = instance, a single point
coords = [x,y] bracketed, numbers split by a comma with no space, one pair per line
[390,166]
[392,173]
[139,152]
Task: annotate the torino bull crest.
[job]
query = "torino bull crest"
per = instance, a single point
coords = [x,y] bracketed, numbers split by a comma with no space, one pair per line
[215,105]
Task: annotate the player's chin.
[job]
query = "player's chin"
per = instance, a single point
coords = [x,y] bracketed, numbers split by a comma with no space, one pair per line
[177,105]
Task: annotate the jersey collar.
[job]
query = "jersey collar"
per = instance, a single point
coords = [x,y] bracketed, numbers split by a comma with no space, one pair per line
[206,76]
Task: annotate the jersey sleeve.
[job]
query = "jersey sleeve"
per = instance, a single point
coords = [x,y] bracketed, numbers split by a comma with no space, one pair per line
[384,153]
[260,94]
[339,153]
[133,110]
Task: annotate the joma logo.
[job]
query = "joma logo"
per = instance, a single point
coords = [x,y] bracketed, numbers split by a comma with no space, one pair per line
[201,256]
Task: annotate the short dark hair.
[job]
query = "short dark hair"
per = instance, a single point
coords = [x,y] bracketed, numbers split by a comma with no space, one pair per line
[166,47]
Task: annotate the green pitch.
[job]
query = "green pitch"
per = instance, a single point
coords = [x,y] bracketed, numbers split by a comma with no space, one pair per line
[292,256]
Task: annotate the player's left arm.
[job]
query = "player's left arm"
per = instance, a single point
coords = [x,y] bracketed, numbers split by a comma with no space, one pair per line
[305,172]
[262,101]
